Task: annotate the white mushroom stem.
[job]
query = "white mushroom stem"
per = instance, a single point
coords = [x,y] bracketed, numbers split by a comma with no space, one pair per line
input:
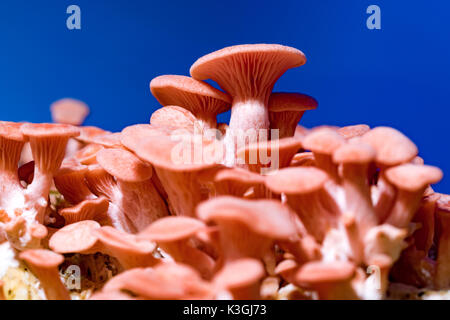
[247,119]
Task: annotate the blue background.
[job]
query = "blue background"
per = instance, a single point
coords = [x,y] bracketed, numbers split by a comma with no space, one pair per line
[398,76]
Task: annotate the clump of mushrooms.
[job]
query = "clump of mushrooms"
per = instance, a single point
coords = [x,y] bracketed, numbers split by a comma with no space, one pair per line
[186,208]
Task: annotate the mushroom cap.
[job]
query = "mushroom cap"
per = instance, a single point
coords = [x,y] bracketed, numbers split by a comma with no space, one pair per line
[323,140]
[38,130]
[88,154]
[248,70]
[87,133]
[319,272]
[357,130]
[286,265]
[69,111]
[41,258]
[238,175]
[172,228]
[290,101]
[354,153]
[159,150]
[284,149]
[240,273]
[191,94]
[413,177]
[11,131]
[174,116]
[75,237]
[109,140]
[392,146]
[86,210]
[296,180]
[124,165]
[116,239]
[266,217]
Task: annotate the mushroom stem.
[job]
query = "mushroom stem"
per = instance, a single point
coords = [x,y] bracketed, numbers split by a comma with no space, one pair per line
[247,118]
[44,264]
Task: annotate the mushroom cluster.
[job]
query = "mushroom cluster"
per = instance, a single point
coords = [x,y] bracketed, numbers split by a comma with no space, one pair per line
[185,207]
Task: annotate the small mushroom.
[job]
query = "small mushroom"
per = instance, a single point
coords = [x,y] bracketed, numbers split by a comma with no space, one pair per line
[69,111]
[305,194]
[265,157]
[201,99]
[44,264]
[411,181]
[242,278]
[286,110]
[392,148]
[94,209]
[331,280]
[174,235]
[353,131]
[355,159]
[323,142]
[248,228]
[174,116]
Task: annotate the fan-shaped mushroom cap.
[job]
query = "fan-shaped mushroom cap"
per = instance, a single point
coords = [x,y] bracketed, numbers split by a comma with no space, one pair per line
[69,180]
[392,146]
[411,177]
[296,180]
[267,156]
[247,71]
[411,180]
[332,280]
[201,99]
[305,193]
[109,140]
[350,132]
[242,278]
[303,159]
[174,235]
[44,264]
[286,110]
[76,237]
[93,209]
[354,153]
[124,165]
[131,251]
[69,111]
[172,228]
[88,133]
[318,272]
[287,269]
[165,281]
[266,217]
[48,143]
[88,154]
[11,144]
[232,181]
[174,116]
[323,141]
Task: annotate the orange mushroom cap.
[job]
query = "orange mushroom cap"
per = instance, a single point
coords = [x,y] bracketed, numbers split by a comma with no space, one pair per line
[201,99]
[247,71]
[69,111]
[124,165]
[392,146]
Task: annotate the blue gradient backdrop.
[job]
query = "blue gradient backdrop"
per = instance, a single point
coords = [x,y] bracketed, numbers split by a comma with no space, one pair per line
[397,76]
